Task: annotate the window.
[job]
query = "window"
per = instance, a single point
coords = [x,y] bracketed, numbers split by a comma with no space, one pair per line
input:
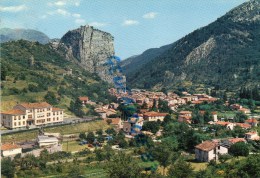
[14,123]
[48,109]
[61,112]
[23,117]
[48,114]
[23,122]
[57,118]
[19,123]
[219,147]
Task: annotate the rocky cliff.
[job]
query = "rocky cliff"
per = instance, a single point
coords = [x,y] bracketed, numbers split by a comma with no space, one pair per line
[90,48]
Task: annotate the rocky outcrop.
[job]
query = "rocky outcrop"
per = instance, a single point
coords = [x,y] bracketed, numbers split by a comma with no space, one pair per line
[90,48]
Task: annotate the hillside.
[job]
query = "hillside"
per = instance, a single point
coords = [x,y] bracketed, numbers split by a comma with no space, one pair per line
[7,34]
[134,63]
[30,69]
[225,54]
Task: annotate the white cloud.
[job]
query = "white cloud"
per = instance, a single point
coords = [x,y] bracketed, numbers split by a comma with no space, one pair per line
[98,24]
[80,21]
[130,22]
[13,8]
[61,3]
[76,15]
[150,15]
[63,12]
[43,16]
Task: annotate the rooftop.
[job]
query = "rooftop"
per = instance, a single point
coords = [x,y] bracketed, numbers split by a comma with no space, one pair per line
[9,146]
[14,112]
[36,105]
[206,146]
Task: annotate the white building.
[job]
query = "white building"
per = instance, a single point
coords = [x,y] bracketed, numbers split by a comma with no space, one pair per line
[26,114]
[209,150]
[45,141]
[10,149]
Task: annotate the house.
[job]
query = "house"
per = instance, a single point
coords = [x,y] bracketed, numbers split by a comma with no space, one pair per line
[185,116]
[252,136]
[185,119]
[235,106]
[127,126]
[154,116]
[27,114]
[231,141]
[116,123]
[9,149]
[209,150]
[252,121]
[243,125]
[215,116]
[244,110]
[45,141]
[228,125]
[84,99]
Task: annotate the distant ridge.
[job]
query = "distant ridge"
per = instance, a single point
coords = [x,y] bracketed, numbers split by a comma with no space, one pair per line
[8,34]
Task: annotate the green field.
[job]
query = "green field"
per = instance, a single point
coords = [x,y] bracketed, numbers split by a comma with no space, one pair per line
[66,129]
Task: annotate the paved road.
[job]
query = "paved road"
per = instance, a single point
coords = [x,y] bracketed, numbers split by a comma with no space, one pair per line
[66,121]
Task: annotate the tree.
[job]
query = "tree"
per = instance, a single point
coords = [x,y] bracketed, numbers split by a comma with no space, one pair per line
[167,119]
[82,136]
[75,171]
[223,158]
[3,72]
[7,167]
[163,154]
[151,126]
[90,137]
[154,107]
[239,149]
[181,169]
[240,117]
[110,131]
[163,106]
[51,98]
[109,121]
[76,107]
[122,166]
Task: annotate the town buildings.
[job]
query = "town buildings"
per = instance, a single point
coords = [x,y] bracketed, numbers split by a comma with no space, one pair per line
[28,114]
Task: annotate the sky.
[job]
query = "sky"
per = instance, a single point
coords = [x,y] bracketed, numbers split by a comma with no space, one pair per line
[136,25]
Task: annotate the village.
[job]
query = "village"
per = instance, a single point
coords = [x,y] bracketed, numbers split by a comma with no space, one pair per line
[146,110]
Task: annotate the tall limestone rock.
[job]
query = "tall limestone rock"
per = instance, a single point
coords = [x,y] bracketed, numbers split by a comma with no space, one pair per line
[90,48]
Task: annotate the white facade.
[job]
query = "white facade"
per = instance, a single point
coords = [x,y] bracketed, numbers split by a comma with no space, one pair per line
[27,114]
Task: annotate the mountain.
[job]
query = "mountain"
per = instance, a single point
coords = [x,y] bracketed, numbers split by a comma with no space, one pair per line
[88,47]
[7,34]
[224,54]
[134,63]
[29,70]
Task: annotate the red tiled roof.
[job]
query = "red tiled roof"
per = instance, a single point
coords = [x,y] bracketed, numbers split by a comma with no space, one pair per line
[251,133]
[196,102]
[9,146]
[223,123]
[35,105]
[235,140]
[150,114]
[115,121]
[14,112]
[206,146]
[83,98]
[185,112]
[252,120]
[243,125]
[56,109]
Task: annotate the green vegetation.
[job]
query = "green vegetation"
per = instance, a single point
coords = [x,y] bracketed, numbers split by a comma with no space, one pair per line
[232,58]
[33,72]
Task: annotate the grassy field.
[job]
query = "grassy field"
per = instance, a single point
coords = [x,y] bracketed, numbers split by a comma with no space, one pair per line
[72,146]
[66,129]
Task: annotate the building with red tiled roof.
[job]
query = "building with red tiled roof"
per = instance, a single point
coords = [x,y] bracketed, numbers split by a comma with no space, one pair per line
[252,121]
[252,135]
[84,99]
[243,125]
[154,116]
[26,114]
[209,150]
[9,149]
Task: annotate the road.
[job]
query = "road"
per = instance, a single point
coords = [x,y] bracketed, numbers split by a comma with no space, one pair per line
[65,122]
